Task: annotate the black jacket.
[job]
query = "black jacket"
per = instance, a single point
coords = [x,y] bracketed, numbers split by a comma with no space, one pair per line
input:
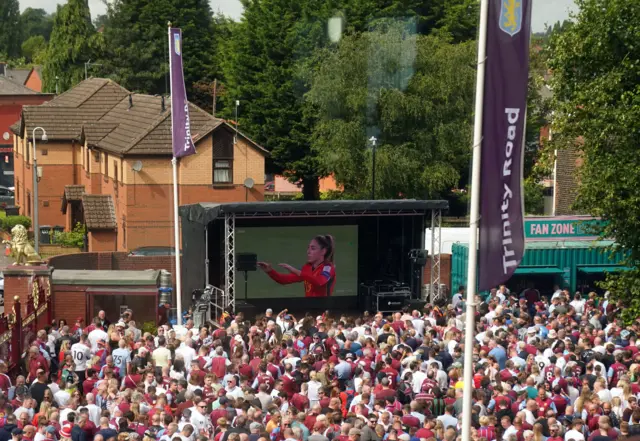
[77,434]
[5,432]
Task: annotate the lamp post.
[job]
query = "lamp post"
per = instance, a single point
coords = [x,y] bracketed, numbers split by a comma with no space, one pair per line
[36,225]
[373,141]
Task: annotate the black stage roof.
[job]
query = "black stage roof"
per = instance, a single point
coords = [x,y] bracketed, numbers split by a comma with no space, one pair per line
[206,212]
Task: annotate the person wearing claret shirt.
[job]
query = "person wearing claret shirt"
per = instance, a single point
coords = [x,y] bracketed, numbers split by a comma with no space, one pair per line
[318,274]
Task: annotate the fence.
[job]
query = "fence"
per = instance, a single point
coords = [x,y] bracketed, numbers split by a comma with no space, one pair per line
[16,331]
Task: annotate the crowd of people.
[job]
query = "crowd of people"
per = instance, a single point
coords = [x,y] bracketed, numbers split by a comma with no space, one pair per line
[557,369]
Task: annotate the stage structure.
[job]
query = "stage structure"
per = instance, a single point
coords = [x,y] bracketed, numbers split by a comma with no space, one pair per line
[379,256]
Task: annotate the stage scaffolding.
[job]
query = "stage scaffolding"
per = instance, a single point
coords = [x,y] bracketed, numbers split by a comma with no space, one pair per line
[204,213]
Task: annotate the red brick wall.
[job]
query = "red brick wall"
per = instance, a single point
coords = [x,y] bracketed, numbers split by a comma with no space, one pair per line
[17,282]
[102,240]
[445,271]
[69,302]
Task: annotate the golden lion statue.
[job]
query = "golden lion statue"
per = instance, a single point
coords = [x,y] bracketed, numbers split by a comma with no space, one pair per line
[21,250]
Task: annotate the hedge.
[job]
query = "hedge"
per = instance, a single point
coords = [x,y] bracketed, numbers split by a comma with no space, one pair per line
[11,221]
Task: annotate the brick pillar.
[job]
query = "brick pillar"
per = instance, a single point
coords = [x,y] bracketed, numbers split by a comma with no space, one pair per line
[17,283]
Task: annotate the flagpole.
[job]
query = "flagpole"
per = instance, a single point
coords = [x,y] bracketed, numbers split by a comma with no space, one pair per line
[176,219]
[469,328]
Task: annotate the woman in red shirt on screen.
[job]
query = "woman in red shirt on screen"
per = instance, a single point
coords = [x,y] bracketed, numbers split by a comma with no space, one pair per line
[318,274]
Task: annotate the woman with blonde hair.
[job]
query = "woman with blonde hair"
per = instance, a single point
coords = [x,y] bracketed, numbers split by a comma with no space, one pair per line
[537,432]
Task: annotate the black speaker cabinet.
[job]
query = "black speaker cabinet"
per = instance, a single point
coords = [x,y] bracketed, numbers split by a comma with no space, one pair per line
[246,262]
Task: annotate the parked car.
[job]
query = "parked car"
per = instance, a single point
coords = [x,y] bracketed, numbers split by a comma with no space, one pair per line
[7,196]
[1,289]
[153,251]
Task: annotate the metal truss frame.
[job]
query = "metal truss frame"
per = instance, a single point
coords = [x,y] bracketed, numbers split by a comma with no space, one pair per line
[229,260]
[436,241]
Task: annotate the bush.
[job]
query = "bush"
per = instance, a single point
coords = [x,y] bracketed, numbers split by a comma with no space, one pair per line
[73,238]
[11,221]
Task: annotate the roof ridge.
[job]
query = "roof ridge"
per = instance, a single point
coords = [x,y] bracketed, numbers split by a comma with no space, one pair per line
[106,81]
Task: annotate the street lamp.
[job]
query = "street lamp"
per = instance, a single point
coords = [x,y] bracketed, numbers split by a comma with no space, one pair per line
[373,141]
[36,226]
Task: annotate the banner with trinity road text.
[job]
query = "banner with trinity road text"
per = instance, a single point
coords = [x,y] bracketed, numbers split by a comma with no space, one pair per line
[180,121]
[501,244]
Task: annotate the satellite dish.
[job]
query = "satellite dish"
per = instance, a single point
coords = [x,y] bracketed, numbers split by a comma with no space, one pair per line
[137,166]
[248,183]
[6,136]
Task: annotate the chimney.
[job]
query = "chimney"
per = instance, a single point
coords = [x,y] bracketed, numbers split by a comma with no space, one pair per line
[163,106]
[130,100]
[3,68]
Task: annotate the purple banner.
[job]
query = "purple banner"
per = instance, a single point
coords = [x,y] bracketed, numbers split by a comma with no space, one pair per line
[504,120]
[180,122]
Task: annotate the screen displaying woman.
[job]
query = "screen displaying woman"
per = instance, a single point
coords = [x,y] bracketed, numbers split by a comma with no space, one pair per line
[318,274]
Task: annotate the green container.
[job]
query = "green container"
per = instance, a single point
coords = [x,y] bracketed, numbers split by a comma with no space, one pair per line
[563,259]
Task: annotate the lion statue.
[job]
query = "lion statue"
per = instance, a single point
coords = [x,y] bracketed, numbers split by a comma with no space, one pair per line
[21,250]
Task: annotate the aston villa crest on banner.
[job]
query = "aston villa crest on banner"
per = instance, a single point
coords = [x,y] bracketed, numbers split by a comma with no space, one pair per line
[511,16]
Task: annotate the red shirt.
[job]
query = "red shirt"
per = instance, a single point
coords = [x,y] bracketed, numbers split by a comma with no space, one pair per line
[37,363]
[318,281]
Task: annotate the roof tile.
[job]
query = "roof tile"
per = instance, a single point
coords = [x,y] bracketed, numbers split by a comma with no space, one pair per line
[99,212]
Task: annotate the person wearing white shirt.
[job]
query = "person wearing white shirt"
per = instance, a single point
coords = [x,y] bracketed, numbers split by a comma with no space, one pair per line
[81,353]
[95,336]
[418,377]
[575,433]
[457,297]
[198,419]
[187,352]
[94,411]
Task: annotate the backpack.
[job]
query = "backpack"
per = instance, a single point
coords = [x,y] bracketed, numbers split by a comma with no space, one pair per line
[405,392]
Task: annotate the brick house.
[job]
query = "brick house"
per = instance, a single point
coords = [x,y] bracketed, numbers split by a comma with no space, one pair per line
[13,95]
[107,164]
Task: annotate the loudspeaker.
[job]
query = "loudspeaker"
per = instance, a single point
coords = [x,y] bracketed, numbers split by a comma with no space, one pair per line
[250,311]
[419,257]
[246,262]
[415,304]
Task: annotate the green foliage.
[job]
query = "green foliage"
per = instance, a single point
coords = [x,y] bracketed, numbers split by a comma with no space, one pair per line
[34,49]
[533,197]
[11,221]
[136,43]
[149,327]
[10,28]
[414,93]
[596,66]
[35,21]
[73,238]
[73,43]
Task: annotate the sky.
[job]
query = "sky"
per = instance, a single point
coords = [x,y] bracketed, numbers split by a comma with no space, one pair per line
[544,11]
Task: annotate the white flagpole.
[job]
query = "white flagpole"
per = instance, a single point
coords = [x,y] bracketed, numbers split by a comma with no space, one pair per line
[469,327]
[176,219]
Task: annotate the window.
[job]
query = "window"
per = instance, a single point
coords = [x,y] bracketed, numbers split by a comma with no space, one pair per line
[115,170]
[28,204]
[222,171]
[223,157]
[17,191]
[87,159]
[27,153]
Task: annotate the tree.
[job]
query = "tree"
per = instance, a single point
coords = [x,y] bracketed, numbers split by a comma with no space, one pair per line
[36,21]
[73,42]
[10,36]
[136,43]
[595,64]
[264,68]
[414,94]
[33,49]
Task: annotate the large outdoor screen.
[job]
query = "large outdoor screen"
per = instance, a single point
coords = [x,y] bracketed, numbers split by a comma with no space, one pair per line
[276,245]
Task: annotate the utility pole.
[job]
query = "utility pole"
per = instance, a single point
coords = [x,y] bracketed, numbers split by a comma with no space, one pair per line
[215,95]
[373,140]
